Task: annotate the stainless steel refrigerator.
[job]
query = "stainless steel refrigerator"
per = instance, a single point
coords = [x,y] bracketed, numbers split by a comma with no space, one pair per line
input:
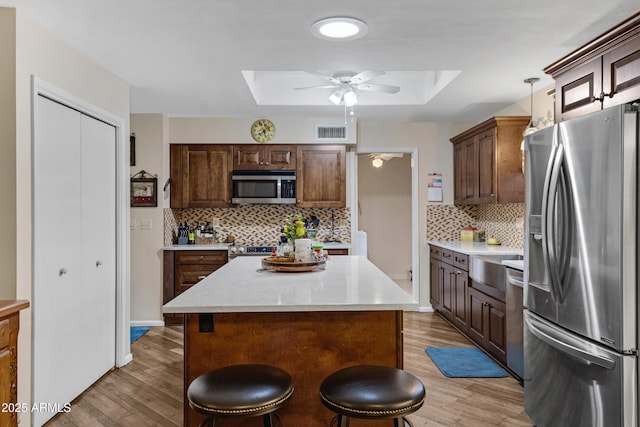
[581,266]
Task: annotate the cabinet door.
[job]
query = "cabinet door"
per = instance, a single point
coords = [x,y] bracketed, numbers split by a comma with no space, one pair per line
[577,89]
[459,173]
[448,290]
[486,175]
[470,179]
[435,283]
[460,283]
[476,326]
[247,156]
[321,174]
[495,333]
[621,74]
[201,176]
[281,157]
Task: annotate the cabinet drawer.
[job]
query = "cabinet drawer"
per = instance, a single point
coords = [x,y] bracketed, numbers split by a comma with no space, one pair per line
[461,261]
[435,252]
[187,276]
[447,256]
[5,333]
[337,251]
[201,257]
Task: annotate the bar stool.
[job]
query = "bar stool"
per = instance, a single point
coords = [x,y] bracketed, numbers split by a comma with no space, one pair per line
[373,392]
[240,391]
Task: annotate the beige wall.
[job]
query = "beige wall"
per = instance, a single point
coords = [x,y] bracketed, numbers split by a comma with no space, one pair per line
[384,213]
[8,228]
[146,254]
[40,53]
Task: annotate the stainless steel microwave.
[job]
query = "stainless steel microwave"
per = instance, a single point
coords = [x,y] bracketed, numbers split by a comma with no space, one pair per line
[264,186]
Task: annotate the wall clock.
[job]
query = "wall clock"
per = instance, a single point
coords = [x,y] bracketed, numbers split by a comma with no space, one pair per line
[263,130]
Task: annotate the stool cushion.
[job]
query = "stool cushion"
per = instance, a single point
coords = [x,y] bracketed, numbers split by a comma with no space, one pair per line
[366,391]
[240,390]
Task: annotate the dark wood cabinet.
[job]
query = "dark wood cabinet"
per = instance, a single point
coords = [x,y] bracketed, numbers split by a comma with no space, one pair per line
[200,175]
[9,327]
[337,251]
[488,162]
[183,269]
[487,323]
[603,73]
[267,157]
[321,176]
[449,282]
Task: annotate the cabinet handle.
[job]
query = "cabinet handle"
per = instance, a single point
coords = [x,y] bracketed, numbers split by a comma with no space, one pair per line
[201,277]
[458,272]
[98,263]
[601,97]
[62,271]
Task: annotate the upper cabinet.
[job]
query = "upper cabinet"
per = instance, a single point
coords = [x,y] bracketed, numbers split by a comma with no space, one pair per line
[321,176]
[201,175]
[267,157]
[487,162]
[603,73]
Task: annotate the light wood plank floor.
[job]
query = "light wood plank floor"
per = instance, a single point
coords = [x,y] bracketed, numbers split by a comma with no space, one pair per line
[148,391]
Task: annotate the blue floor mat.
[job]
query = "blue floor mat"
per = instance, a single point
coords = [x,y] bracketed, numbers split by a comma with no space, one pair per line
[137,332]
[466,362]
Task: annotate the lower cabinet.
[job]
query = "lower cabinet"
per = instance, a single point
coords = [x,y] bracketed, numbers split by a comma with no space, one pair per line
[9,326]
[185,268]
[480,316]
[487,323]
[449,283]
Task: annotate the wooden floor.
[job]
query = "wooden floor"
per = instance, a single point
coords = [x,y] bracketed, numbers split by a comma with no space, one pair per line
[148,391]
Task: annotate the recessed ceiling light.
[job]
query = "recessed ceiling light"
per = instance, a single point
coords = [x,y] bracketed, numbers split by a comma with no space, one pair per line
[339,28]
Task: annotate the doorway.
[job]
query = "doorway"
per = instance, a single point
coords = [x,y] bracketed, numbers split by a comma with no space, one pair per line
[385,209]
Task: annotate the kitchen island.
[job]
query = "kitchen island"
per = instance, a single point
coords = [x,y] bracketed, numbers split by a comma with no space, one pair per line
[309,324]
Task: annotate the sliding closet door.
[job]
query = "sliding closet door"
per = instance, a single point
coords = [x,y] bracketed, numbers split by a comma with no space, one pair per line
[74,254]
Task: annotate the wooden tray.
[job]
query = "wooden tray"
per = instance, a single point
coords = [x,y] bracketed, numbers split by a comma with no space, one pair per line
[289,266]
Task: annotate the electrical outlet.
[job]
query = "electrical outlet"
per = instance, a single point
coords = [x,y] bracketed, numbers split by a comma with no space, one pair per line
[145,224]
[215,222]
[133,224]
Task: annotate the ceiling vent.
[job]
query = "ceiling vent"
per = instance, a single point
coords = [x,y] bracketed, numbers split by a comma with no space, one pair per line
[331,133]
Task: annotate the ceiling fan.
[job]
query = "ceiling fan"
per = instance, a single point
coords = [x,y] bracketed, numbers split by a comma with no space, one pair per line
[346,81]
[380,158]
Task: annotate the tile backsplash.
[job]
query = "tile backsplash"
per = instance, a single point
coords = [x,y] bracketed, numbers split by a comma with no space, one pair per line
[505,222]
[258,224]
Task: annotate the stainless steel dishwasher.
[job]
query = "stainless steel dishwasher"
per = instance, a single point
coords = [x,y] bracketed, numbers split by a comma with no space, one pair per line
[514,330]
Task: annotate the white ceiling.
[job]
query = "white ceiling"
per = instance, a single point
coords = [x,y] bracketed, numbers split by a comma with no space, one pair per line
[186,57]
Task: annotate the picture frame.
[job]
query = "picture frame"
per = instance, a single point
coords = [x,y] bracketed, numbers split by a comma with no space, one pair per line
[144,192]
[132,149]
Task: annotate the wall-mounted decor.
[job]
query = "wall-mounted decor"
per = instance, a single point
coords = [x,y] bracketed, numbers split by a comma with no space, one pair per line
[132,149]
[144,190]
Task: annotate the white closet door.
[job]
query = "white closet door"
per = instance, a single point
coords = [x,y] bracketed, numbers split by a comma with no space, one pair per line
[73,337]
[99,244]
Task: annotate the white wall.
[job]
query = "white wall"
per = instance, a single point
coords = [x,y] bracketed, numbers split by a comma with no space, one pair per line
[41,53]
[146,254]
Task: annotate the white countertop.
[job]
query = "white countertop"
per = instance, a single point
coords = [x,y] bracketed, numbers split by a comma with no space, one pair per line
[514,263]
[348,283]
[211,247]
[225,246]
[476,248]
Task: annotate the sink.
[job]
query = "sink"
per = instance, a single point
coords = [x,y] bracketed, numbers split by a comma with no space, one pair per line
[488,269]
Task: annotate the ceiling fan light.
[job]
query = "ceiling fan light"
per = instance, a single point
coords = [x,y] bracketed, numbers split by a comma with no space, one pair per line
[350,98]
[339,28]
[336,97]
[377,162]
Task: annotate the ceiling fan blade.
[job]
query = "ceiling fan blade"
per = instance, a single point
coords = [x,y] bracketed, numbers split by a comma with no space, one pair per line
[326,77]
[365,76]
[316,87]
[377,87]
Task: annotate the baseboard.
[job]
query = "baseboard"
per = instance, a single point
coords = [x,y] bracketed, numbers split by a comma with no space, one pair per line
[427,309]
[147,323]
[128,358]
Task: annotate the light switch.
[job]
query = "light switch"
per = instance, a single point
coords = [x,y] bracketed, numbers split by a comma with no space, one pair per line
[145,224]
[134,224]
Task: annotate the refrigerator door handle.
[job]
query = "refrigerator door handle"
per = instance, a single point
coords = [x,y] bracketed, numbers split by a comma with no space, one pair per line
[548,224]
[547,335]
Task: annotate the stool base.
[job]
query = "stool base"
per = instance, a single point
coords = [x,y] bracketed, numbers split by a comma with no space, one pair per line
[343,421]
[267,419]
